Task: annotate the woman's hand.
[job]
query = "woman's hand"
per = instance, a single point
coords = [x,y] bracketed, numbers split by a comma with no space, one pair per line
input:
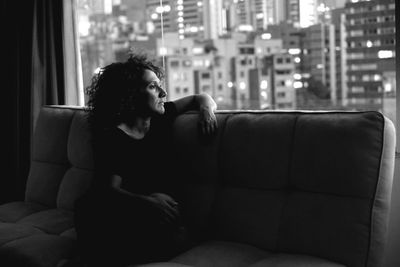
[207,121]
[166,205]
[206,107]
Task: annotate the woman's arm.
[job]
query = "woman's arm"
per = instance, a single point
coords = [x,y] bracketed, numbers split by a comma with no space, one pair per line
[206,107]
[162,202]
[195,102]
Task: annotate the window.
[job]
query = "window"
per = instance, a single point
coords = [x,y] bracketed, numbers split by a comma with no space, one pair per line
[354,41]
[205,75]
[174,64]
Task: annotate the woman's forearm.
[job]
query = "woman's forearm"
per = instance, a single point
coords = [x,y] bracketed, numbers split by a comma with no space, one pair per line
[195,102]
[116,182]
[205,101]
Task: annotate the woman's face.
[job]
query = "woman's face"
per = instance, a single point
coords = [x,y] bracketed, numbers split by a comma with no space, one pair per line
[154,94]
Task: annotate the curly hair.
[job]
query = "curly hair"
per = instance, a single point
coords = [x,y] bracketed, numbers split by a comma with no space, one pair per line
[114,90]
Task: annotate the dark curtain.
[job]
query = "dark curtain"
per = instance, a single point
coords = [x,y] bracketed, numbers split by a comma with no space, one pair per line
[47,55]
[33,76]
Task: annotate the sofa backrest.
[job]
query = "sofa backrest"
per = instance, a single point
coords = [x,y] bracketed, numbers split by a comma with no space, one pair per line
[315,183]
[62,160]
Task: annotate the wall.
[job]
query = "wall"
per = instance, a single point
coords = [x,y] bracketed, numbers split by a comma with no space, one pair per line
[392,258]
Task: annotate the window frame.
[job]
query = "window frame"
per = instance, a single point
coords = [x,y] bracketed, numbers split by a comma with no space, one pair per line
[397,122]
[79,83]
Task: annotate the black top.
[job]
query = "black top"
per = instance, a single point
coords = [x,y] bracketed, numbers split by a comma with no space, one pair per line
[143,164]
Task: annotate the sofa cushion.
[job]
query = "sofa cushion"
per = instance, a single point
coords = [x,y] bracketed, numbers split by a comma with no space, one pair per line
[70,233]
[334,174]
[78,177]
[256,150]
[74,184]
[12,231]
[221,253]
[326,226]
[161,264]
[255,212]
[296,260]
[62,159]
[37,250]
[302,182]
[199,181]
[51,221]
[330,156]
[14,211]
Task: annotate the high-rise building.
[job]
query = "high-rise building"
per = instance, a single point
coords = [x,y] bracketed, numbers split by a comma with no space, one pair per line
[100,7]
[292,12]
[213,19]
[308,14]
[202,19]
[276,11]
[252,13]
[338,19]
[162,18]
[370,27]
[317,66]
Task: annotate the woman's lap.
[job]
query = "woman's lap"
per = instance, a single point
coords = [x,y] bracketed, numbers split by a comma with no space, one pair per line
[119,230]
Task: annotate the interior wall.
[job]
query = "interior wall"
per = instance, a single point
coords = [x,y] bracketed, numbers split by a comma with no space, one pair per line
[392,258]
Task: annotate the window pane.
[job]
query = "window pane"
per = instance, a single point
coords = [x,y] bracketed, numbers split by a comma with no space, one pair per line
[254,54]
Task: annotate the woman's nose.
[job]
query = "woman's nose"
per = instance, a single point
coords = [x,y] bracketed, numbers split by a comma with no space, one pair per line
[162,93]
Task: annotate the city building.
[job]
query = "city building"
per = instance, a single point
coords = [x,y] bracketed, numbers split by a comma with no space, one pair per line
[319,55]
[201,19]
[251,15]
[370,28]
[338,19]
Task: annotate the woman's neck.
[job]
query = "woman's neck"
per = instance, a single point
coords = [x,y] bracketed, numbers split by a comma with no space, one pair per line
[138,129]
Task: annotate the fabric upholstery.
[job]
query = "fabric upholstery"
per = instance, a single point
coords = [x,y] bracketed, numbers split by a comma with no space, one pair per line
[36,250]
[197,166]
[290,260]
[14,211]
[269,189]
[220,253]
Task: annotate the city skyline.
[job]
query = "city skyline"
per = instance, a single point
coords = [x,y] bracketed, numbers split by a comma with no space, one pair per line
[197,59]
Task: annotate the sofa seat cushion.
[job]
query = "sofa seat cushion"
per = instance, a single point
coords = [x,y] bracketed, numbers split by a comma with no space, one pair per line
[37,250]
[290,260]
[161,264]
[15,211]
[222,253]
[70,233]
[51,221]
[13,231]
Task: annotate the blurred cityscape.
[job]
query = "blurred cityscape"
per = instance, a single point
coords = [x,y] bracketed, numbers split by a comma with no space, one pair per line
[253,54]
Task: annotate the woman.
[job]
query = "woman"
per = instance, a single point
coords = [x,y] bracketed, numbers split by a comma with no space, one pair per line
[131,214]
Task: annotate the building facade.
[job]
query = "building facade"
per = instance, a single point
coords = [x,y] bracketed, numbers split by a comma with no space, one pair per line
[370,27]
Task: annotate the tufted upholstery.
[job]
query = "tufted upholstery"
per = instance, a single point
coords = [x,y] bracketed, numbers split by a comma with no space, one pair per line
[270,189]
[40,230]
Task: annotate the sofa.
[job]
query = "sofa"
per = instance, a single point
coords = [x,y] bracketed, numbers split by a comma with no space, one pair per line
[271,188]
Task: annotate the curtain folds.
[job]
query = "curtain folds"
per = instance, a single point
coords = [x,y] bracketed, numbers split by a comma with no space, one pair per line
[36,44]
[72,58]
[56,73]
[47,55]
